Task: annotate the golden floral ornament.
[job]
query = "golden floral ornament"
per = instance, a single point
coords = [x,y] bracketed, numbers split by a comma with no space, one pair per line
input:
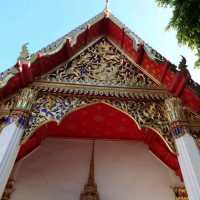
[51,107]
[101,64]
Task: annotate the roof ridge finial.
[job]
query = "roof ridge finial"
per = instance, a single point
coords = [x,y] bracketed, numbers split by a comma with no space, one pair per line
[25,56]
[107,3]
[24,53]
[106,10]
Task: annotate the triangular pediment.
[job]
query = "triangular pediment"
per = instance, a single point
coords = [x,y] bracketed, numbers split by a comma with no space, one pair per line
[101,64]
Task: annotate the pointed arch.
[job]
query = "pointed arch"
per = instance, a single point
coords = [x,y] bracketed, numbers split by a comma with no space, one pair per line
[101,120]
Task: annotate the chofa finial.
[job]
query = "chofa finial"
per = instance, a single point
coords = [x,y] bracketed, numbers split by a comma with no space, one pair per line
[25,56]
[182,65]
[24,53]
[106,7]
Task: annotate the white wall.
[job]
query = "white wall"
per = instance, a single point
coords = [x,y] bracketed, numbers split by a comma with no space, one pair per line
[125,170]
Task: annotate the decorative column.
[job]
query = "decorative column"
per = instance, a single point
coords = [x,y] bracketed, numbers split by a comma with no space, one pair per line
[12,133]
[187,149]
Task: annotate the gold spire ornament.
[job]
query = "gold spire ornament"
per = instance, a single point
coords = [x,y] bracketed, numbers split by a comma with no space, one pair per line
[90,189]
[106,7]
[106,11]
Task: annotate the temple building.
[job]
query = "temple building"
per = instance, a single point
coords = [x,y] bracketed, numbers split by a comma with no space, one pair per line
[99,115]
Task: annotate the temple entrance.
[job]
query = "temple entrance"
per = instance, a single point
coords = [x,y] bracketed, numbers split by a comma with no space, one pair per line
[99,82]
[126,160]
[58,169]
[94,120]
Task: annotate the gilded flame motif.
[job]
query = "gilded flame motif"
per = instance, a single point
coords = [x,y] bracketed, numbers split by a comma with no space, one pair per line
[101,64]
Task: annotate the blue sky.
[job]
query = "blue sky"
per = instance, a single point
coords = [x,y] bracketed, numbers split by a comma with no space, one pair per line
[40,22]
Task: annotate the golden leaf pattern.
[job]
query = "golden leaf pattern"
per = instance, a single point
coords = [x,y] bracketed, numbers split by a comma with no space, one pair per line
[101,64]
[49,107]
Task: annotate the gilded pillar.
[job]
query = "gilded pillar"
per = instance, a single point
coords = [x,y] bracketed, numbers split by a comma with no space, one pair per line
[187,150]
[12,133]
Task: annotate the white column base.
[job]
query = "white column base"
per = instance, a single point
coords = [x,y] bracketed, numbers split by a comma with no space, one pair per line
[10,138]
[189,160]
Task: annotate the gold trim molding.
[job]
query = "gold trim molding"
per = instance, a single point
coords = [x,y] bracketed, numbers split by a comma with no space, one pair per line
[86,89]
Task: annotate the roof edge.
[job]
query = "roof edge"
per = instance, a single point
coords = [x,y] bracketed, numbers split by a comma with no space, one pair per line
[71,38]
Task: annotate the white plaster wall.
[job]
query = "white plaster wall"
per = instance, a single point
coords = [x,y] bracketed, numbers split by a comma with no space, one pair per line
[125,170]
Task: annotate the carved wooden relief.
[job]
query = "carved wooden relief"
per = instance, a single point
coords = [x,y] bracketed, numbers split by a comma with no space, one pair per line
[51,107]
[101,64]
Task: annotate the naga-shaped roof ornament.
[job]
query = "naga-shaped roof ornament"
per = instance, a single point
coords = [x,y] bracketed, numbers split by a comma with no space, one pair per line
[24,53]
[182,65]
[25,56]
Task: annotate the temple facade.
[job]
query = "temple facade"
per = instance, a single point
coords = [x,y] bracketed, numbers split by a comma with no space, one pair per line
[99,115]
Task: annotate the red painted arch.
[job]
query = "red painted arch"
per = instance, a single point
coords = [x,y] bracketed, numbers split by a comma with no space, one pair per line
[102,121]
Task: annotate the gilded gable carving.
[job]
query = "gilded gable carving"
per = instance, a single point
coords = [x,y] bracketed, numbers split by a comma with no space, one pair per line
[51,107]
[101,64]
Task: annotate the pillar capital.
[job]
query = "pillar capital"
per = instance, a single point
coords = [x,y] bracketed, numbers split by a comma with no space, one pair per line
[25,99]
[174,109]
[176,116]
[24,102]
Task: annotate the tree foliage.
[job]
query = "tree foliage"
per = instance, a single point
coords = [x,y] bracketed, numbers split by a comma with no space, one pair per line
[186,21]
